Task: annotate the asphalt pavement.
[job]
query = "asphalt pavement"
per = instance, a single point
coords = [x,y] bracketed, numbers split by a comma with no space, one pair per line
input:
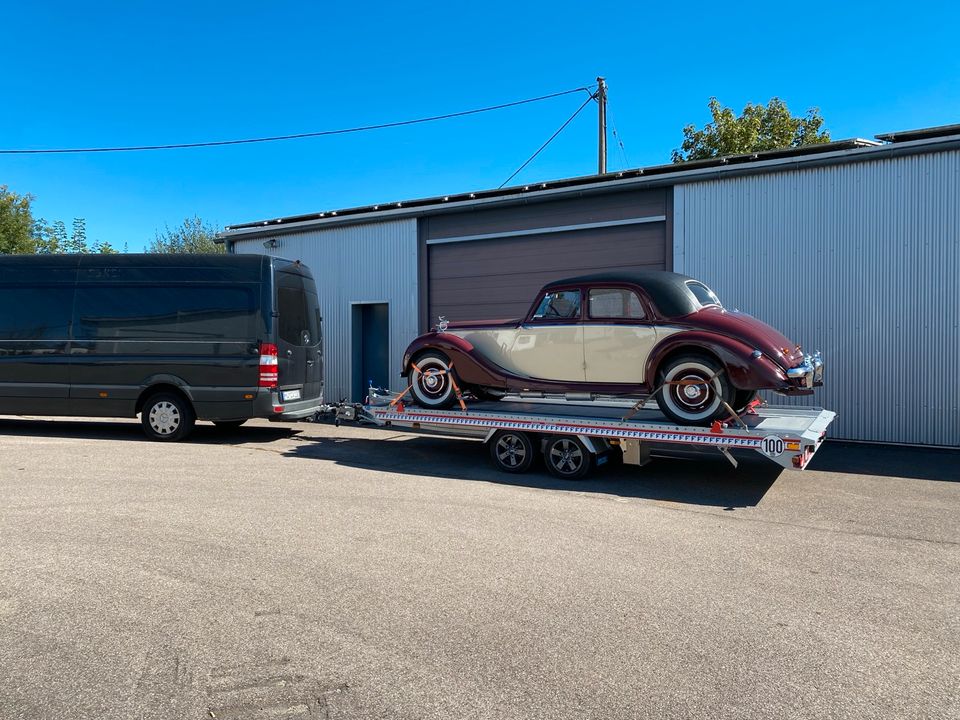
[320,572]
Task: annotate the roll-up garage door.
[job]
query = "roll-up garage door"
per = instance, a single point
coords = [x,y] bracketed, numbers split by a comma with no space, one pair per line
[498,278]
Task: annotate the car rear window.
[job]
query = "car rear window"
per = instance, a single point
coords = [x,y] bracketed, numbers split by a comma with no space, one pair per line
[704,295]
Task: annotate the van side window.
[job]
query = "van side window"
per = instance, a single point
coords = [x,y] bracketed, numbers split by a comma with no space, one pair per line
[35,313]
[145,312]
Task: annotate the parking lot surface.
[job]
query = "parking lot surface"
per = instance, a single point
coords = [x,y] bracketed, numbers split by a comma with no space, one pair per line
[313,571]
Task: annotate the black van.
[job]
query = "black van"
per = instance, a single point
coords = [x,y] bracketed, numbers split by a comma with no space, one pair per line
[175,338]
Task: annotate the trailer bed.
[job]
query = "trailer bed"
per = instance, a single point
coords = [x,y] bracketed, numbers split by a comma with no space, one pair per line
[789,436]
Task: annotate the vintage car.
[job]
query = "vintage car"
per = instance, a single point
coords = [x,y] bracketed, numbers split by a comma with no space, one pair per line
[616,334]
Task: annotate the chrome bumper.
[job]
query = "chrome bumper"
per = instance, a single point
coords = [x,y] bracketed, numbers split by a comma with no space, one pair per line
[810,371]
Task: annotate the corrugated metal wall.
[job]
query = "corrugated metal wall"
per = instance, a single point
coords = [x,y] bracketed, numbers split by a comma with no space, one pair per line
[861,261]
[375,262]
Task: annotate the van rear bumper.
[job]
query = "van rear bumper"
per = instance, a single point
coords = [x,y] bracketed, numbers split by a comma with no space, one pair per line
[268,405]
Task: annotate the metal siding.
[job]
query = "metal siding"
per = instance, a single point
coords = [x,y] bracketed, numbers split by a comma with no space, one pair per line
[376,262]
[860,261]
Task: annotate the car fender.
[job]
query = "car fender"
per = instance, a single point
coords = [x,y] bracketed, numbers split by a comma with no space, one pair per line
[745,371]
[471,367]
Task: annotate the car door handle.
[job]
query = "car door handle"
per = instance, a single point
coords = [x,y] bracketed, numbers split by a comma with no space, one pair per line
[310,362]
[289,353]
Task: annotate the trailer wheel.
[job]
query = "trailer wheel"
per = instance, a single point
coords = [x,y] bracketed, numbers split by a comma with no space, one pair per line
[567,458]
[511,451]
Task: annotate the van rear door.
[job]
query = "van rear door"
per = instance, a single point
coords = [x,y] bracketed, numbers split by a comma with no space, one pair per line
[300,360]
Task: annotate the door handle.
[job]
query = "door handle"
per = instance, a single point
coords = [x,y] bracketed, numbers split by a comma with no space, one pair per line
[289,353]
[310,363]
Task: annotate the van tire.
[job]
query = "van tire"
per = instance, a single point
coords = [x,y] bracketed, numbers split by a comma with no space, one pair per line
[167,417]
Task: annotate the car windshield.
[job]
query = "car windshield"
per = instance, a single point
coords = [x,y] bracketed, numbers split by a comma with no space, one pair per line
[705,296]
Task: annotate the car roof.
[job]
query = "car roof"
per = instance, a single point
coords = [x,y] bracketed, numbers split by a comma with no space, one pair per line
[668,290]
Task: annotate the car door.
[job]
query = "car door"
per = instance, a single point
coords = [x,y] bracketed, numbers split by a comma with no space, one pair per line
[549,345]
[299,359]
[618,336]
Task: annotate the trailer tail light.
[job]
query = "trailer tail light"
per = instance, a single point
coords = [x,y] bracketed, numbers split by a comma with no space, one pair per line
[269,376]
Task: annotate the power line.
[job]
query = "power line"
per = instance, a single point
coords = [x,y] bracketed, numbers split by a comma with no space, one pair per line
[297,136]
[549,140]
[619,139]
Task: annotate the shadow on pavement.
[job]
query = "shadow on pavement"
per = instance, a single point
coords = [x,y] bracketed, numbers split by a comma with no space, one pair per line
[702,480]
[203,434]
[887,461]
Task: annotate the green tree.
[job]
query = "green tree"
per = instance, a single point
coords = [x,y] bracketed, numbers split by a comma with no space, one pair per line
[191,236]
[757,128]
[16,223]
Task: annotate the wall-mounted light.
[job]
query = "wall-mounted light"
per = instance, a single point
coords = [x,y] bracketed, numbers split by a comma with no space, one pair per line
[270,244]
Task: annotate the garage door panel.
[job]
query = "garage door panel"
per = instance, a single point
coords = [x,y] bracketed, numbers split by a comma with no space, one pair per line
[532,246]
[569,211]
[489,279]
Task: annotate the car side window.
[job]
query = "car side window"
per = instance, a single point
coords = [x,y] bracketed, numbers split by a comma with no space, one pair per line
[559,305]
[615,304]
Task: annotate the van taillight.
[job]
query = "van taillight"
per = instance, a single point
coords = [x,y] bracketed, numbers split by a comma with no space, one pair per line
[268,365]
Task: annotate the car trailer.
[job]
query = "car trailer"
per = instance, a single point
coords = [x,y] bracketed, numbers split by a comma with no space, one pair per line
[575,437]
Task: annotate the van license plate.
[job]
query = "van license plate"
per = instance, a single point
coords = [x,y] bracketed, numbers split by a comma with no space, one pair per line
[288,395]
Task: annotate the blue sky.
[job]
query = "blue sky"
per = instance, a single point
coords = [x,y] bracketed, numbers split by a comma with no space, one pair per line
[127,73]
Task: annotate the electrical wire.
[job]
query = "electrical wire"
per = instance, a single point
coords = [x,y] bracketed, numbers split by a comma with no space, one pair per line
[549,140]
[619,139]
[296,136]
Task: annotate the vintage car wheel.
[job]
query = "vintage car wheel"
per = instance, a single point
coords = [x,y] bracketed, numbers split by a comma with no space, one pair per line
[567,458]
[431,386]
[511,451]
[694,389]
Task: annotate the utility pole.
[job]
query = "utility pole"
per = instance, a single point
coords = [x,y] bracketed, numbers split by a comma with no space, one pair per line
[601,98]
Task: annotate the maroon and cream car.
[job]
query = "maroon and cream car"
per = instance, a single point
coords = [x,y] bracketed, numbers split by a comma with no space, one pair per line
[629,334]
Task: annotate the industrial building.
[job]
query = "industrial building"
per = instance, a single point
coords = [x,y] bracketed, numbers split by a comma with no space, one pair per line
[851,248]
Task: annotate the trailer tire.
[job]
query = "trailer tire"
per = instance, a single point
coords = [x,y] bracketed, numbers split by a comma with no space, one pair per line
[511,451]
[567,458]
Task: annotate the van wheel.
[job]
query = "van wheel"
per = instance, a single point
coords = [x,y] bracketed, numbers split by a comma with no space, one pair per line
[228,425]
[167,417]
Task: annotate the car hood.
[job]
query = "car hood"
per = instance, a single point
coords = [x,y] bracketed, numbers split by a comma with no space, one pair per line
[748,329]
